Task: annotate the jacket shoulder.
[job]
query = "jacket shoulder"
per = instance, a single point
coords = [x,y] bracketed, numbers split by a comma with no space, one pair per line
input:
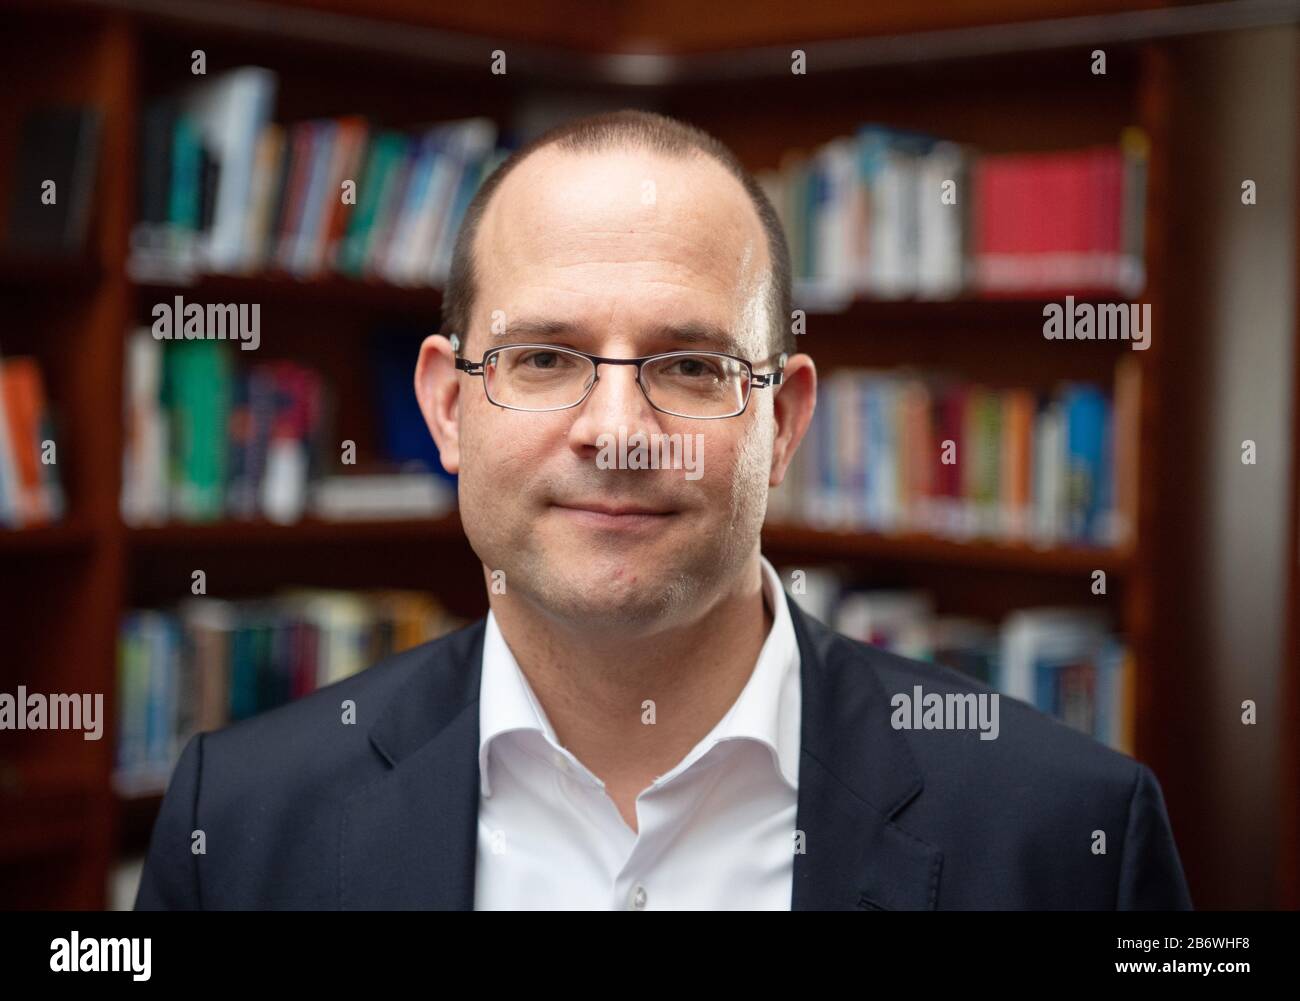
[324,736]
[1025,746]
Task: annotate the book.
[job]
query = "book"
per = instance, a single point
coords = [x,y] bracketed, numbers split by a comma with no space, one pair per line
[52,187]
[31,492]
[228,112]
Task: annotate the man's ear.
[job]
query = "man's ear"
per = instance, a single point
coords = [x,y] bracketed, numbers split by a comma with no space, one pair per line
[793,406]
[438,390]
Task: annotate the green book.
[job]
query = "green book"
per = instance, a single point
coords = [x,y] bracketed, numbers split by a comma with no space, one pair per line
[385,153]
[199,383]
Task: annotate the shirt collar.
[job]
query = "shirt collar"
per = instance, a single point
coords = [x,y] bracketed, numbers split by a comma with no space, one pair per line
[767,709]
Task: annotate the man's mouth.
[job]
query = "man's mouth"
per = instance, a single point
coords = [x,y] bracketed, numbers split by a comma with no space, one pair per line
[614,514]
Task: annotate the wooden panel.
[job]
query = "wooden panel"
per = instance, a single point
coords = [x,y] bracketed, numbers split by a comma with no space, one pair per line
[689,26]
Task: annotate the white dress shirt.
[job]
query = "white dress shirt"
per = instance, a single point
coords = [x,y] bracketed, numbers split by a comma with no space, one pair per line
[715,832]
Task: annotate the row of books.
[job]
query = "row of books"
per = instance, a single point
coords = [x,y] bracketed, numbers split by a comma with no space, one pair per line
[209,662]
[883,213]
[223,188]
[1067,662]
[207,439]
[31,492]
[891,214]
[901,451]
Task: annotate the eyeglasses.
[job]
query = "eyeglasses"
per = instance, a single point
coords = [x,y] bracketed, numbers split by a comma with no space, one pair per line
[705,385]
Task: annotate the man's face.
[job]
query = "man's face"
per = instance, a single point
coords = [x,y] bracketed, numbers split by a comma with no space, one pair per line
[612,250]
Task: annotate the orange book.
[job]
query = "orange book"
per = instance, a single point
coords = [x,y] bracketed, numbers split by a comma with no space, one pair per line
[1017,438]
[24,402]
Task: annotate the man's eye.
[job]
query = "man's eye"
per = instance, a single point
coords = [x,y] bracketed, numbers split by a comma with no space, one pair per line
[542,360]
[695,367]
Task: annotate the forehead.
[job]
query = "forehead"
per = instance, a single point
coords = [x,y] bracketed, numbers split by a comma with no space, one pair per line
[622,235]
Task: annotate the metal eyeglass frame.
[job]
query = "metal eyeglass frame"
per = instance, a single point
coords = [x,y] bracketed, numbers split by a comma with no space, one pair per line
[757,380]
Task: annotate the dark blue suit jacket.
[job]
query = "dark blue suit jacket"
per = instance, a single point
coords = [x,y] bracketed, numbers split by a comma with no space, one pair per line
[300,810]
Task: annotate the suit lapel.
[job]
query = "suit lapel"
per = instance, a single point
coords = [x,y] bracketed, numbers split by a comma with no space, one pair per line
[409,840]
[856,773]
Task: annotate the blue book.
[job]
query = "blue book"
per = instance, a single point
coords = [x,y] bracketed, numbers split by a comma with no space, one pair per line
[1085,421]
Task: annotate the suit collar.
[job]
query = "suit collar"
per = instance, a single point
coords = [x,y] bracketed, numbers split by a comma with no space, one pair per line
[409,839]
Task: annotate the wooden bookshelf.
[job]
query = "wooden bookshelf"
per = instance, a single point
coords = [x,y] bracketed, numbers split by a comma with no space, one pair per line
[331,292]
[96,568]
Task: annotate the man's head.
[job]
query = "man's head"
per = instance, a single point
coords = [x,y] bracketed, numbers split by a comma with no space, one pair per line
[622,130]
[617,235]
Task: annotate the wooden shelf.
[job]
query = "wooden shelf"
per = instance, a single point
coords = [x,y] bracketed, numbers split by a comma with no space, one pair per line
[966,311]
[783,540]
[22,272]
[333,291]
[311,531]
[61,537]
[969,310]
[780,539]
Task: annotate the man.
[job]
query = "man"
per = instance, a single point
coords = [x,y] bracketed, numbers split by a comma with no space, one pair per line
[643,720]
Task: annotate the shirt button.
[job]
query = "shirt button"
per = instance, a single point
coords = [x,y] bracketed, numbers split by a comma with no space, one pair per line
[636,900]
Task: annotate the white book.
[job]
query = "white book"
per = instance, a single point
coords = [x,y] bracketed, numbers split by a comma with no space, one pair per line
[832,226]
[893,267]
[939,225]
[900,621]
[815,590]
[144,459]
[230,111]
[1035,634]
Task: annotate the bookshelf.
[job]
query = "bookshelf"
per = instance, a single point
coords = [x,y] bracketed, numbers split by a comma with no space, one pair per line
[64,828]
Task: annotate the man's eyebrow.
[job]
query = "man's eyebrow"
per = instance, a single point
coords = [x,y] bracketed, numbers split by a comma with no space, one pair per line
[694,333]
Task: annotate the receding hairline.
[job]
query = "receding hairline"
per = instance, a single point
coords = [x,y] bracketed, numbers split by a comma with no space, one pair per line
[752,241]
[627,131]
[691,156]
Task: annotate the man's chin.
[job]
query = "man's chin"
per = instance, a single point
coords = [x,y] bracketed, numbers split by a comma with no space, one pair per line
[618,597]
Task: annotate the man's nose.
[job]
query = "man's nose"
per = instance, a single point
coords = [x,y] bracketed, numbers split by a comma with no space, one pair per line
[614,400]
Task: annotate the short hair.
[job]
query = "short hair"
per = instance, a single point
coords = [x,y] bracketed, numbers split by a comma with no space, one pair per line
[626,129]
